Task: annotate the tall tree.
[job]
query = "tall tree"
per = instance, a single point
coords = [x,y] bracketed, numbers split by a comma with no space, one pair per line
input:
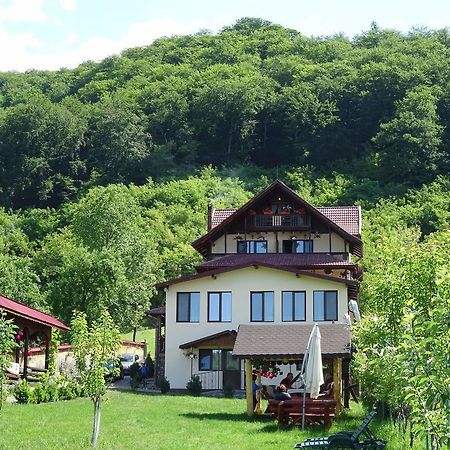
[410,145]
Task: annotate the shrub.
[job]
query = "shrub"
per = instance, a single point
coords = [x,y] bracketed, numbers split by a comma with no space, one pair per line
[164,385]
[70,390]
[39,394]
[51,390]
[228,390]
[135,381]
[194,385]
[23,393]
[134,369]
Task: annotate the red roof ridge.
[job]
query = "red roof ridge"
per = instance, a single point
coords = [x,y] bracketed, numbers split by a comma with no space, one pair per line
[56,322]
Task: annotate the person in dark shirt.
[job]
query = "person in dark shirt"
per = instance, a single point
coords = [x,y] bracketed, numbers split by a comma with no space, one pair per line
[289,380]
[255,388]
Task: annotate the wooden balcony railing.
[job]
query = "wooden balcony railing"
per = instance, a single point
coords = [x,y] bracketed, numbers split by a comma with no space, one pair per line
[281,221]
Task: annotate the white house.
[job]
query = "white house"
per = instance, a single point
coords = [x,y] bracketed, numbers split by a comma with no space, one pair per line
[276,265]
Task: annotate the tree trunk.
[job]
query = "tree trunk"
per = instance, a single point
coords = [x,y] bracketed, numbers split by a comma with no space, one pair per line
[1,389]
[97,414]
[134,333]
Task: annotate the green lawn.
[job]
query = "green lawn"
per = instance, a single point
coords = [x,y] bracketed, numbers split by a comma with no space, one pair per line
[148,421]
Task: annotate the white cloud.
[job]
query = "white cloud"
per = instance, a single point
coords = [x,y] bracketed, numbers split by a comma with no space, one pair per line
[71,52]
[68,5]
[23,11]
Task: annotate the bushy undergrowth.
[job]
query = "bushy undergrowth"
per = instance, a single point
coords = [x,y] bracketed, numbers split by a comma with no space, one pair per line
[48,390]
[194,385]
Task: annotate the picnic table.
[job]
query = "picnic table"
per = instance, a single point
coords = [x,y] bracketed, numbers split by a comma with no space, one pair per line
[317,411]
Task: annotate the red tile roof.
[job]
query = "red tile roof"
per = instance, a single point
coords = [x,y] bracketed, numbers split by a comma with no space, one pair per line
[277,188]
[346,217]
[19,309]
[219,215]
[290,341]
[298,260]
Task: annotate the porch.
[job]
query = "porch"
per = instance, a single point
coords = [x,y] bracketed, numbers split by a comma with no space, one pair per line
[34,330]
[279,344]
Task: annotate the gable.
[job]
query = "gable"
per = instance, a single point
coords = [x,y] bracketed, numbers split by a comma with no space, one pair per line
[276,194]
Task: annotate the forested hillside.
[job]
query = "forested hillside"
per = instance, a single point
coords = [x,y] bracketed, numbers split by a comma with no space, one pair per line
[376,106]
[106,172]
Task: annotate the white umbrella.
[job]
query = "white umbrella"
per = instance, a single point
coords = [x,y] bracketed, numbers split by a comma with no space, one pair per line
[313,369]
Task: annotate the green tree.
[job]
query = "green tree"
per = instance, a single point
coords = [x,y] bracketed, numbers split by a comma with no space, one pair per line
[7,345]
[410,145]
[104,257]
[93,346]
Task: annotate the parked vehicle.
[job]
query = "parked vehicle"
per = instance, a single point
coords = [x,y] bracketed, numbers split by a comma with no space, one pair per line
[127,361]
[114,370]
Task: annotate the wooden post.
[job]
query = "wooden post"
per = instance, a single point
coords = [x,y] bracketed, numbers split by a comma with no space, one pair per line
[249,386]
[47,349]
[157,349]
[337,380]
[25,352]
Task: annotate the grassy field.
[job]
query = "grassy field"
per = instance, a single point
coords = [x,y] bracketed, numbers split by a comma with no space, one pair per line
[148,421]
[143,334]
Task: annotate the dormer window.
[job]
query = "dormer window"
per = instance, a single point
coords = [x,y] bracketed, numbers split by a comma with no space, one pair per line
[259,246]
[298,246]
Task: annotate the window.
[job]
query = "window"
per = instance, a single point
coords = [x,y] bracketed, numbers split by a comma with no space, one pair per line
[325,305]
[188,307]
[298,246]
[216,359]
[252,246]
[293,305]
[219,306]
[261,307]
[209,359]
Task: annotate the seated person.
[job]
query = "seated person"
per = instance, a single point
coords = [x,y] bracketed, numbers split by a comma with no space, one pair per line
[289,380]
[281,393]
[326,390]
[255,387]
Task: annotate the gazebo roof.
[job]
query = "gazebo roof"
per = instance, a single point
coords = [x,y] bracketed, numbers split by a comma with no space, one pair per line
[289,341]
[21,310]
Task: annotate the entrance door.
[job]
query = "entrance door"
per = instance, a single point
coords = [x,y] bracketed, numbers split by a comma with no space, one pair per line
[231,370]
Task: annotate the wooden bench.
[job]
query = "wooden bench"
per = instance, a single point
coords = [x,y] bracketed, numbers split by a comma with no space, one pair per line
[317,411]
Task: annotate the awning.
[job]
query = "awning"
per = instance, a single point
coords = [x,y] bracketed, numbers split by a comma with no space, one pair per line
[289,341]
[223,339]
[21,310]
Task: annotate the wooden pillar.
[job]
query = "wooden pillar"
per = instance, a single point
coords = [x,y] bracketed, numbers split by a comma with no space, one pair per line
[26,336]
[249,386]
[157,349]
[337,380]
[47,349]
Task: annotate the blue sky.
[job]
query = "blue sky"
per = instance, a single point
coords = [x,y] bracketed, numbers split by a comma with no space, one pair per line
[49,34]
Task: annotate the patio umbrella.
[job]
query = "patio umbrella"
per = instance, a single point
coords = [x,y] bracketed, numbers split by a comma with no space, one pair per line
[313,369]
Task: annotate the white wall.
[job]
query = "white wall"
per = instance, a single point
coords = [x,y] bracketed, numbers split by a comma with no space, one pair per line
[240,282]
[321,244]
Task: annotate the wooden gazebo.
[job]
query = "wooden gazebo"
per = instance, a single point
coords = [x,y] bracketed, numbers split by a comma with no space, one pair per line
[32,325]
[287,342]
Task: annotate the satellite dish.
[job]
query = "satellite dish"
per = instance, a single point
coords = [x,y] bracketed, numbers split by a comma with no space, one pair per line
[353,307]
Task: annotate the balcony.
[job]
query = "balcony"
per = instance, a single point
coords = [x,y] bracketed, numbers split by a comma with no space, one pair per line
[264,222]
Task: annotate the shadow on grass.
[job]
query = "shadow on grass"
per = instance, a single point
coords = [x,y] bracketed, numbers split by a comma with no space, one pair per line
[234,417]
